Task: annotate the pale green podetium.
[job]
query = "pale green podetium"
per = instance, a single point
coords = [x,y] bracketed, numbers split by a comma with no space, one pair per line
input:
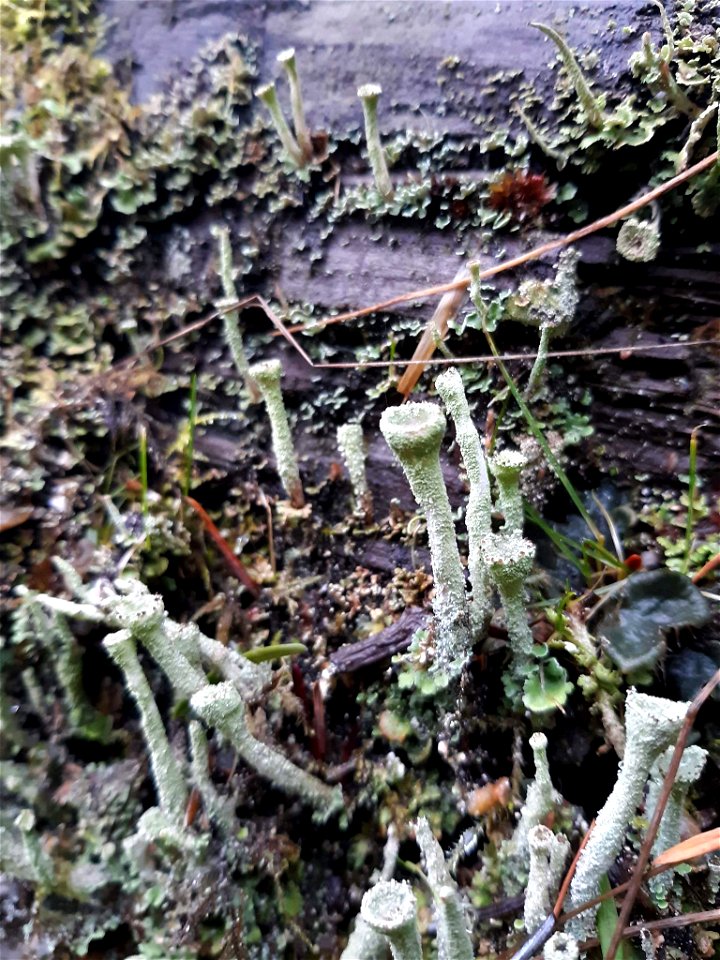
[267,375]
[268,95]
[414,433]
[548,856]
[453,936]
[286,59]
[507,467]
[589,103]
[231,320]
[169,781]
[389,908]
[691,766]
[221,706]
[652,724]
[510,561]
[369,93]
[352,447]
[478,516]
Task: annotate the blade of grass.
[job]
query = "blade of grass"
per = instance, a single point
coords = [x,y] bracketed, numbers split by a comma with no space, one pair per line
[536,431]
[143,459]
[607,916]
[190,449]
[564,545]
[274,652]
[692,487]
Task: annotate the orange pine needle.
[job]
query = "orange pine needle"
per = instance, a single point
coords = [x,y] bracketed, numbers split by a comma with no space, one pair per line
[697,846]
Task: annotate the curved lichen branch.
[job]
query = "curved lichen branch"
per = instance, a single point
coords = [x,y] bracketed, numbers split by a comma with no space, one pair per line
[591,106]
[169,780]
[221,706]
[453,936]
[652,724]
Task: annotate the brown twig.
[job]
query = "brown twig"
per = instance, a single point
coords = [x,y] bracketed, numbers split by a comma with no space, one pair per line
[684,920]
[707,568]
[646,849]
[236,567]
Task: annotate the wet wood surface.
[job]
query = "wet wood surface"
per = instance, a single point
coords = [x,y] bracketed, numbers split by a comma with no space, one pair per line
[644,405]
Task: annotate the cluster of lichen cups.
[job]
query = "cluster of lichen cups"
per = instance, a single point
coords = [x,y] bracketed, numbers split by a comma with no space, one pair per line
[298,145]
[186,656]
[414,432]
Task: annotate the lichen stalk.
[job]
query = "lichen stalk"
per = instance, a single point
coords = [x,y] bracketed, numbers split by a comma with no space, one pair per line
[691,766]
[589,103]
[215,805]
[478,516]
[267,375]
[169,781]
[539,801]
[221,706]
[414,433]
[231,319]
[507,467]
[286,58]
[510,560]
[390,909]
[369,93]
[268,95]
[538,367]
[548,855]
[454,942]
[351,444]
[364,943]
[652,724]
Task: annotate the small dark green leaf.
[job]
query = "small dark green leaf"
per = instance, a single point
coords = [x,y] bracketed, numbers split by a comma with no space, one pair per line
[650,603]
